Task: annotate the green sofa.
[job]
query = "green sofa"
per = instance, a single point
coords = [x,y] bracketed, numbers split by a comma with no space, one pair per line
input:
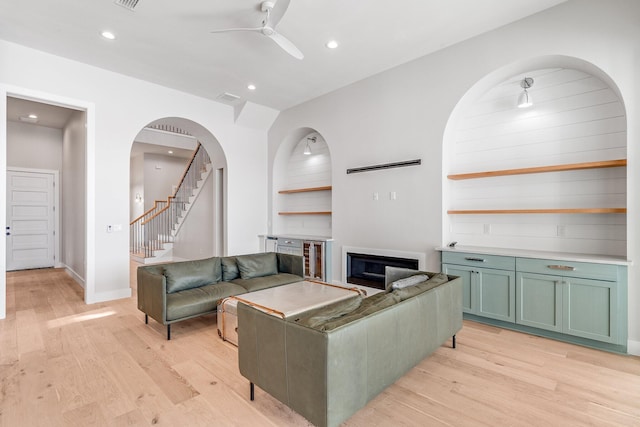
[327,364]
[175,291]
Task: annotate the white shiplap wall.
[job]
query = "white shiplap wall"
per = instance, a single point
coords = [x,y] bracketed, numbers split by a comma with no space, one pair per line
[306,171]
[575,118]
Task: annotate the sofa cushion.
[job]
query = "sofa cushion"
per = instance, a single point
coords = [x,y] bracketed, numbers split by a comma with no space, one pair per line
[229,268]
[191,274]
[368,306]
[257,265]
[196,301]
[320,316]
[265,282]
[412,291]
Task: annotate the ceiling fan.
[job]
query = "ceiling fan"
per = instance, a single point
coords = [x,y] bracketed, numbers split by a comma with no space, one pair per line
[268,29]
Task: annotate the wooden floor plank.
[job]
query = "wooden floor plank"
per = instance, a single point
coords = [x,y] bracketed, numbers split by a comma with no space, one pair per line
[63,362]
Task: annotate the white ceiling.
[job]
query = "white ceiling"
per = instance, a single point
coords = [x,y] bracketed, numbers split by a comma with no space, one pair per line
[169,42]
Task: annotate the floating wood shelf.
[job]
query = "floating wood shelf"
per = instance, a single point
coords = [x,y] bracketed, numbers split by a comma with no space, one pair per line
[538,211]
[306,213]
[305,190]
[541,169]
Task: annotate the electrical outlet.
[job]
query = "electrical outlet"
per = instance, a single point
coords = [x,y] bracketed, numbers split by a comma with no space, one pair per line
[487,228]
[392,195]
[375,196]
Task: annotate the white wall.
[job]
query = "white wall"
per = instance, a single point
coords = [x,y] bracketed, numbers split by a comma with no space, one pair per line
[195,239]
[117,109]
[34,146]
[403,113]
[161,174]
[73,197]
[136,186]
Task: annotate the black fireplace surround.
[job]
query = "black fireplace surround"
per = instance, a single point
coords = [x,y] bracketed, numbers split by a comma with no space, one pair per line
[368,270]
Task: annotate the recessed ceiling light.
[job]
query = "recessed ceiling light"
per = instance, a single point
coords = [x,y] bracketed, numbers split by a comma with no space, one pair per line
[29,119]
[251,86]
[332,44]
[170,152]
[108,35]
[33,116]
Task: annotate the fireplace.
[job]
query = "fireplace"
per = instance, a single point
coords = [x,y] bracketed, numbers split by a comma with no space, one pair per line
[368,269]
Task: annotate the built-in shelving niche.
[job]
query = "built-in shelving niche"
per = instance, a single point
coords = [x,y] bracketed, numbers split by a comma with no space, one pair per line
[551,177]
[303,203]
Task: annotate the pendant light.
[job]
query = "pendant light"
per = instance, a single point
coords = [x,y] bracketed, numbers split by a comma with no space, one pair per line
[525,100]
[307,149]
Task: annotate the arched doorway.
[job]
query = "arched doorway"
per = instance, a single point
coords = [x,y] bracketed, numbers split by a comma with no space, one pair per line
[177,193]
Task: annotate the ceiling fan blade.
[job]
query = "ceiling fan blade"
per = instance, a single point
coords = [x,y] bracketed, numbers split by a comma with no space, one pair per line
[278,12]
[285,44]
[228,30]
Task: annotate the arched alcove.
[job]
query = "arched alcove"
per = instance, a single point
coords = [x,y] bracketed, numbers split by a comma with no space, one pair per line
[578,117]
[302,185]
[164,150]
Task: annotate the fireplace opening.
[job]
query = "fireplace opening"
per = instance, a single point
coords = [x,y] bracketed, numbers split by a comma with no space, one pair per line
[368,270]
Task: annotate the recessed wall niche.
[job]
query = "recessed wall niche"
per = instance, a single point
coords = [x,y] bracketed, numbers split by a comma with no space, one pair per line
[576,118]
[303,198]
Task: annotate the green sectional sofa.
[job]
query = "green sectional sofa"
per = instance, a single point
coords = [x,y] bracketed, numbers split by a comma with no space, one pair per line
[175,291]
[328,363]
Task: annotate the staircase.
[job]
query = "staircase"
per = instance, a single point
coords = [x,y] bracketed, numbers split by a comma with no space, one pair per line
[152,233]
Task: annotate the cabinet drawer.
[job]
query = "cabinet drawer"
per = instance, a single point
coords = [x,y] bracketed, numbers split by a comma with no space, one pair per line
[583,270]
[480,260]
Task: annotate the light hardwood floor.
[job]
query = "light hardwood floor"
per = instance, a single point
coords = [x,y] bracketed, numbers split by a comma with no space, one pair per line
[64,363]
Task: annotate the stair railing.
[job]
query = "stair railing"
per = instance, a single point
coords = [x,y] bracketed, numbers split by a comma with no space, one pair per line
[158,225]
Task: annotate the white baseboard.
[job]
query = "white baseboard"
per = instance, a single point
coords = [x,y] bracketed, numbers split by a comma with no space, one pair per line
[110,296]
[75,276]
[633,347]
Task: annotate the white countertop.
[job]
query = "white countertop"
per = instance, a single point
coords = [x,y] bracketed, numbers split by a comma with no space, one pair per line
[298,236]
[524,253]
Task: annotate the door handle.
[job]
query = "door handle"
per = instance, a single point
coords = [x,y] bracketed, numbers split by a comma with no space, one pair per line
[561,267]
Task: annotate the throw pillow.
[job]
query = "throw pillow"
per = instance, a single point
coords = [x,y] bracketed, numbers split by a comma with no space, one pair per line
[257,265]
[229,268]
[192,274]
[411,291]
[409,281]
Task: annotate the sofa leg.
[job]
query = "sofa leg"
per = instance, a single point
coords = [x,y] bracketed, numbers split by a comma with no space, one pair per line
[453,344]
[251,391]
[168,332]
[146,319]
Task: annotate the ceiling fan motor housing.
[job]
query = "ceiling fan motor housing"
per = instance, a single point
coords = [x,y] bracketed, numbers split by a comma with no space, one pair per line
[266,6]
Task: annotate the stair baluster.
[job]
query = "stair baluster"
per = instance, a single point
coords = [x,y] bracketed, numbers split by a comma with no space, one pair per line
[157,226]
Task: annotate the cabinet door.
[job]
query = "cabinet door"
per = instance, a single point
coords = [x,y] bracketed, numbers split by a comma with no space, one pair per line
[589,309]
[468,293]
[539,301]
[496,294]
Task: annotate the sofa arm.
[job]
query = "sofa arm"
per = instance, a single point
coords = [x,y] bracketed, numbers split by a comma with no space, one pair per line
[152,294]
[293,264]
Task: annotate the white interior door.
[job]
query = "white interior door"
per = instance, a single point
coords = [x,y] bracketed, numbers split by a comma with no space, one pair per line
[30,220]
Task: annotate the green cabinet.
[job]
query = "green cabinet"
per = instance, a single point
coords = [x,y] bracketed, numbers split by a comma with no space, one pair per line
[581,302]
[571,302]
[539,301]
[488,284]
